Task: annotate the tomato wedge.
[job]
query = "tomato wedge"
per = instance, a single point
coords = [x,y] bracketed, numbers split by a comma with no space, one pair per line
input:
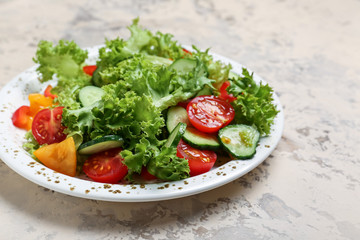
[47,92]
[38,102]
[209,113]
[106,166]
[146,175]
[89,69]
[46,126]
[224,94]
[60,157]
[22,118]
[200,161]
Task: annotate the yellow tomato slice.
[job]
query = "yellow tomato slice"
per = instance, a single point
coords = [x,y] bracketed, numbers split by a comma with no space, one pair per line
[38,102]
[60,157]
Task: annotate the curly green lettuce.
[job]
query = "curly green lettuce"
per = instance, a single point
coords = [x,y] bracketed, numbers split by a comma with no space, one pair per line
[140,41]
[166,165]
[63,60]
[31,145]
[165,87]
[217,70]
[254,102]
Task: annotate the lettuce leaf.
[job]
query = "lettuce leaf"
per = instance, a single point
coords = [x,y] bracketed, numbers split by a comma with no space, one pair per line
[141,41]
[31,145]
[79,122]
[117,50]
[217,70]
[166,165]
[164,46]
[139,156]
[64,60]
[139,37]
[254,102]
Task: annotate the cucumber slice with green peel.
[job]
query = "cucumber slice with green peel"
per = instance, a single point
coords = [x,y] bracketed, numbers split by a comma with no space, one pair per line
[101,144]
[96,78]
[156,60]
[239,140]
[176,135]
[174,116]
[201,140]
[90,94]
[183,65]
[192,136]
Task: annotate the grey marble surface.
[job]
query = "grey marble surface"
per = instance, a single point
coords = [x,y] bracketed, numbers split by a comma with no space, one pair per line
[309,188]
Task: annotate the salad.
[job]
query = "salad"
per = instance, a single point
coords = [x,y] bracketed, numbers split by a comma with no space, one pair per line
[149,109]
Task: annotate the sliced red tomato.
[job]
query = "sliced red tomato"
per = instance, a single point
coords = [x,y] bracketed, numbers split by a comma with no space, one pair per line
[184,103]
[146,175]
[200,161]
[106,166]
[224,94]
[209,113]
[22,118]
[47,127]
[89,69]
[48,93]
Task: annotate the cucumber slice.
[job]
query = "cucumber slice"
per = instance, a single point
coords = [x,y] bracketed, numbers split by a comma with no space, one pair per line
[174,116]
[96,78]
[159,61]
[192,136]
[240,140]
[200,140]
[176,135]
[90,94]
[183,65]
[101,144]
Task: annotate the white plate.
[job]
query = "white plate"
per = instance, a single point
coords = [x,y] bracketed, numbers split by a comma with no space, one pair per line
[15,93]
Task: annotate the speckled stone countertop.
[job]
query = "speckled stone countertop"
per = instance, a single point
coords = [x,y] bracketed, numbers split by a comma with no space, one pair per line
[308,51]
